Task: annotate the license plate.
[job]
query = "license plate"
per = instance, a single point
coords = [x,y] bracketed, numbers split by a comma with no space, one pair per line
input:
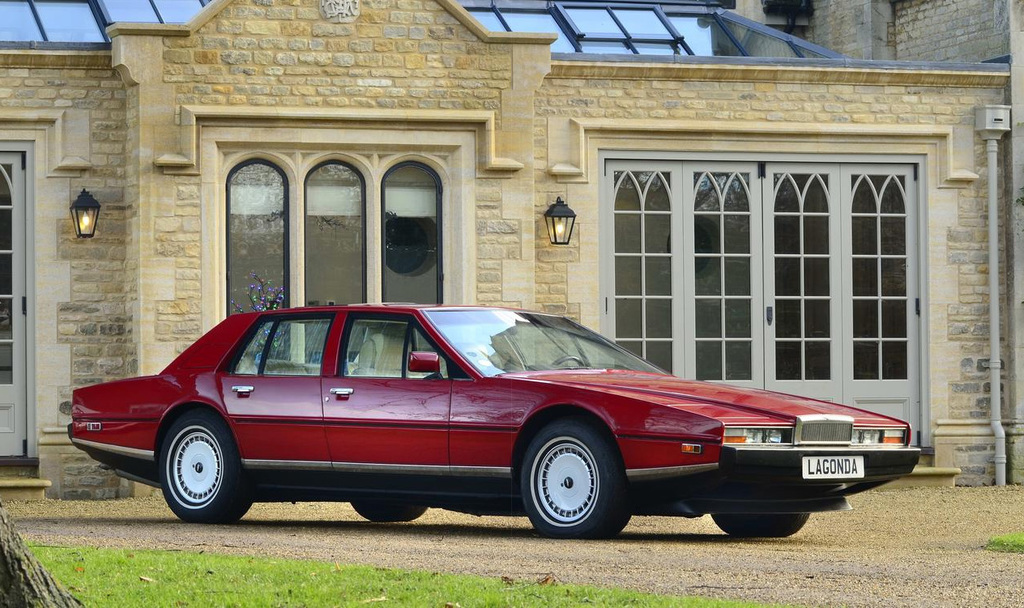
[833,467]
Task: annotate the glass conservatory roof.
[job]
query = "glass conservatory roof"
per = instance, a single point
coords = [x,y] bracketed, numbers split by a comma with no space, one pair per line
[84,21]
[668,27]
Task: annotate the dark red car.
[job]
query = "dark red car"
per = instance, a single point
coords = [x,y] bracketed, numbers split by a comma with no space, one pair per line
[480,410]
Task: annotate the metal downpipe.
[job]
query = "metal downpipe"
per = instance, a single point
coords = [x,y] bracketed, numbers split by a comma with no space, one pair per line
[995,361]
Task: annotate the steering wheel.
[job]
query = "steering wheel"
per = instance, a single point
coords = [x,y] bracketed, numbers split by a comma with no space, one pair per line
[562,360]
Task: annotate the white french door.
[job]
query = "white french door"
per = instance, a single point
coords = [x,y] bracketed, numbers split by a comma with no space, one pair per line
[13,403]
[795,277]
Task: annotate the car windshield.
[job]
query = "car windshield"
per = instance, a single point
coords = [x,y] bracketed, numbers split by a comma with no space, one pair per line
[500,341]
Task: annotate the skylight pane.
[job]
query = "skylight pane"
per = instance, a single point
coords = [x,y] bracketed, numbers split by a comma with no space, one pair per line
[68,21]
[17,23]
[758,44]
[642,23]
[606,48]
[654,48]
[130,11]
[178,11]
[704,36]
[539,23]
[595,22]
[489,20]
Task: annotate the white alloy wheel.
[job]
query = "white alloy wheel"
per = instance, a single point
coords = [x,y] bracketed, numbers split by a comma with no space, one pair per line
[566,482]
[195,467]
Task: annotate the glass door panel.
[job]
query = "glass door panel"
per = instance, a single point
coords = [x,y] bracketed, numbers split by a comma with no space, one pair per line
[880,285]
[802,305]
[642,274]
[721,245]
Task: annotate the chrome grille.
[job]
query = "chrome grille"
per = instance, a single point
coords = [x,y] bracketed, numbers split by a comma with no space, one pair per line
[824,429]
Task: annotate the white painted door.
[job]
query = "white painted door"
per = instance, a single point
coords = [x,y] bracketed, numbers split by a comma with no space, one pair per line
[13,406]
[722,274]
[880,286]
[795,277]
[803,300]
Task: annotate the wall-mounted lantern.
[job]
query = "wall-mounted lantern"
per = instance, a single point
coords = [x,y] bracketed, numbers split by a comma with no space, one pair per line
[560,219]
[85,210]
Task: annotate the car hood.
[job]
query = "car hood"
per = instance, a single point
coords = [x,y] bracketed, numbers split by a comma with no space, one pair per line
[730,404]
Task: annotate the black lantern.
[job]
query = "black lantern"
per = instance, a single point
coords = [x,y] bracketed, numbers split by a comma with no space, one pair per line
[560,219]
[84,213]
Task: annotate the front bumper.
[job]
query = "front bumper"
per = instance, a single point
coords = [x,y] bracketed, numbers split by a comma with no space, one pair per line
[783,465]
[770,480]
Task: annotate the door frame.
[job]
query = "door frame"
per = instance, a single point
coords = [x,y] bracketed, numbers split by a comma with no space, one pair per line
[27,150]
[920,166]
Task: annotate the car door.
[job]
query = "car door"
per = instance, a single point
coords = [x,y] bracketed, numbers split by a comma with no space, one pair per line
[272,393]
[379,416]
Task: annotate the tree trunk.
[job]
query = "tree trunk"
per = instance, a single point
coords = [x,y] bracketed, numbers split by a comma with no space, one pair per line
[23,580]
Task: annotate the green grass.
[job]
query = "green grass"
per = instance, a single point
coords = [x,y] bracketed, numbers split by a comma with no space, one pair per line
[118,577]
[1010,543]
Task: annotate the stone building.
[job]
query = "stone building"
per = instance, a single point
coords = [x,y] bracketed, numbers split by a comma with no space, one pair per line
[750,208]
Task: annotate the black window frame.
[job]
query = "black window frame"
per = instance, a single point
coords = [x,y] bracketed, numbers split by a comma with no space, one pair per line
[227,229]
[439,198]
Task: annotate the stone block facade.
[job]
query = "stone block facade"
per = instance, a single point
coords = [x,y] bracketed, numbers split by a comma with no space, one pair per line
[950,30]
[157,123]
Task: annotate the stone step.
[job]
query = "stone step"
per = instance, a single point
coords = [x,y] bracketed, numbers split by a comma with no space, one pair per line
[23,488]
[927,477]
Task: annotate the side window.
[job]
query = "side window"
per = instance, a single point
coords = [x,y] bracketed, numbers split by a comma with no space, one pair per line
[252,356]
[285,347]
[297,348]
[375,348]
[419,343]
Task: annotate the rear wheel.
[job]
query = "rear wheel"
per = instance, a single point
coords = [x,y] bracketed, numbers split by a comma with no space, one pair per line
[201,472]
[573,481]
[775,525]
[385,512]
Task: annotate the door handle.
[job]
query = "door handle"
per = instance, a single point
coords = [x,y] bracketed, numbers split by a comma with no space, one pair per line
[768,315]
[242,390]
[342,393]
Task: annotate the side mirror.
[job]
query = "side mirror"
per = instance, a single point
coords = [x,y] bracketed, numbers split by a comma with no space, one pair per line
[424,363]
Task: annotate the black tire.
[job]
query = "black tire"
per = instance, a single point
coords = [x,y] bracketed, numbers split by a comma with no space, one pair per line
[776,525]
[387,512]
[573,481]
[200,471]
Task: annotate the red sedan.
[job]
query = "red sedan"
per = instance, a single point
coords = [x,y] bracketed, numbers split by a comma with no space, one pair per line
[480,410]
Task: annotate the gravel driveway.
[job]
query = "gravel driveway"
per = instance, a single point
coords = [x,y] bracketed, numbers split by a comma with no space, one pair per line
[902,547]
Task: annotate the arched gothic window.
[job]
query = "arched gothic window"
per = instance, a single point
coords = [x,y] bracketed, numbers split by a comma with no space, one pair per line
[412,234]
[257,230]
[335,244]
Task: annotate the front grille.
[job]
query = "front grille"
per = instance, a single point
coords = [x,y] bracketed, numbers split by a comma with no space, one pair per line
[824,431]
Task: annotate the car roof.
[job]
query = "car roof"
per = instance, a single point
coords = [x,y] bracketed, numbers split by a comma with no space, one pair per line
[401,307]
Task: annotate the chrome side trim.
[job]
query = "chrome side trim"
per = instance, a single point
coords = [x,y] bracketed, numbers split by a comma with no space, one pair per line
[291,465]
[115,449]
[668,472]
[136,478]
[503,472]
[405,469]
[373,467]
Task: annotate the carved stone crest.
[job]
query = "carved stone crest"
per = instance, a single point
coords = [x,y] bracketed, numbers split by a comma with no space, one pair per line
[339,11]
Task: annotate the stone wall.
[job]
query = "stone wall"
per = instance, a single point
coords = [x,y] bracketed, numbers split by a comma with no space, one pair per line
[950,30]
[84,325]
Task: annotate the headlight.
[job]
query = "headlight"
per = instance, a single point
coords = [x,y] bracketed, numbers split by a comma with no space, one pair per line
[878,437]
[745,435]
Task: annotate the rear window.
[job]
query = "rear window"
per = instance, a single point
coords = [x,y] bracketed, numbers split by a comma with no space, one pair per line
[284,347]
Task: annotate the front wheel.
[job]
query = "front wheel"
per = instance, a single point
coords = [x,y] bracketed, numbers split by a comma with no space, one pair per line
[775,525]
[573,482]
[386,512]
[201,472]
